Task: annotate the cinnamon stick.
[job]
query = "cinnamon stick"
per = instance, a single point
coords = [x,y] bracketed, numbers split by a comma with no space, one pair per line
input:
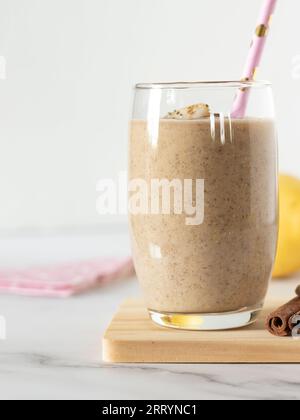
[294,320]
[281,321]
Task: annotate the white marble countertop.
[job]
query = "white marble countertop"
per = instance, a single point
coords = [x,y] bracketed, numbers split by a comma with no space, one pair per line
[53,347]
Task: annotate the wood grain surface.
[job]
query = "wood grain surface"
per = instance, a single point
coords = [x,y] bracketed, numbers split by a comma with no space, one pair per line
[133,338]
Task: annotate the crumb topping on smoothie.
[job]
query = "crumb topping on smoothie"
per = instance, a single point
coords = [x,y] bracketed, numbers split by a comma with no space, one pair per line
[192,112]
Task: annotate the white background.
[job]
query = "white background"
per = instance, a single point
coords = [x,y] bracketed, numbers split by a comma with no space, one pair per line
[71,66]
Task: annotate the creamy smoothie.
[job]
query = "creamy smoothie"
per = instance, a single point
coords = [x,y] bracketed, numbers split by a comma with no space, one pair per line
[225,263]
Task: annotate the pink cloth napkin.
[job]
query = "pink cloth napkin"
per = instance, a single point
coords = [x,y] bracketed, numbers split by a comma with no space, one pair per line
[66,279]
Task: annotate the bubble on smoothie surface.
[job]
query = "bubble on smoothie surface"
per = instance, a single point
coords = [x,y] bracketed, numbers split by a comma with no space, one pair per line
[192,112]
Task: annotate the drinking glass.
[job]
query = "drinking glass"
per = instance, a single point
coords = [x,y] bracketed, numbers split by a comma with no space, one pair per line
[203,205]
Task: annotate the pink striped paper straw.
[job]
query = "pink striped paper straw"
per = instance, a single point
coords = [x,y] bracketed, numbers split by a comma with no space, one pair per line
[254,57]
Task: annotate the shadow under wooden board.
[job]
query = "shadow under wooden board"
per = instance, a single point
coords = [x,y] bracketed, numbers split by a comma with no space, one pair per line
[133,338]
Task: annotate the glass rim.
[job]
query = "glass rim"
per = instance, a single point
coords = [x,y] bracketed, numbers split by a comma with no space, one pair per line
[238,84]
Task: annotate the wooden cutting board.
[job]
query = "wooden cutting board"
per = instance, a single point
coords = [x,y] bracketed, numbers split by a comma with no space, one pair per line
[133,338]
